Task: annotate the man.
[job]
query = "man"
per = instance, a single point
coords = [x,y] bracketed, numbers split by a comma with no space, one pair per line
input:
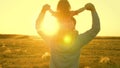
[67,55]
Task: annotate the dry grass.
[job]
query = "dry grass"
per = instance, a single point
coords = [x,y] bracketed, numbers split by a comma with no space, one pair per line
[27,53]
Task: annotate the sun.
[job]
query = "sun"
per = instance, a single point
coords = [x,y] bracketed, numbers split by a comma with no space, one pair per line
[50,26]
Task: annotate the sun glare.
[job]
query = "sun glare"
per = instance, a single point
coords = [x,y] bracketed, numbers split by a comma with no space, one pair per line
[50,26]
[67,39]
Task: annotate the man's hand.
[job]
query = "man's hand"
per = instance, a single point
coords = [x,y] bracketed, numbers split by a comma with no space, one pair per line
[90,6]
[46,7]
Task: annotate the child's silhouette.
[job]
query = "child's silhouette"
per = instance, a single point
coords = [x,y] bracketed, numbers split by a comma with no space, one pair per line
[64,15]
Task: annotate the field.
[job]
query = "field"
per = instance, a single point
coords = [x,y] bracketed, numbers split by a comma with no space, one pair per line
[31,52]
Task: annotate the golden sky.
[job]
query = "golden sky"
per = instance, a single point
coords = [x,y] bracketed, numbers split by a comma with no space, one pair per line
[19,16]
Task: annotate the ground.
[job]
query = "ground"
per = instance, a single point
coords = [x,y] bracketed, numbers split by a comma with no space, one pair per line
[29,52]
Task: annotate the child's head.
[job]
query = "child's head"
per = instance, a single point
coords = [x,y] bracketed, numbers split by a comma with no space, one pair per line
[63,6]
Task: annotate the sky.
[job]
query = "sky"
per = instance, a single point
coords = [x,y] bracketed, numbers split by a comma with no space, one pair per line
[19,16]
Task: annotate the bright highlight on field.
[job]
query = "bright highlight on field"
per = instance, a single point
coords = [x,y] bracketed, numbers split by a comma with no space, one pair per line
[67,39]
[50,26]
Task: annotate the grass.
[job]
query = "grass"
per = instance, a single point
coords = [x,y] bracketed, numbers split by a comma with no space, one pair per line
[27,53]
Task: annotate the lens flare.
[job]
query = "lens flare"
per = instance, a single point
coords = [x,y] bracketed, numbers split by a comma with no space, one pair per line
[67,39]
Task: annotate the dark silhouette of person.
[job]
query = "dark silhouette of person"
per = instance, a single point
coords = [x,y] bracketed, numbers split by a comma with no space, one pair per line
[67,55]
[64,14]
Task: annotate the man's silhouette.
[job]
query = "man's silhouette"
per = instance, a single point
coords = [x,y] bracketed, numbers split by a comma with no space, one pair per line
[67,55]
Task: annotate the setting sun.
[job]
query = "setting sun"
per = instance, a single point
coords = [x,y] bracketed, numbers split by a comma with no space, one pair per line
[50,26]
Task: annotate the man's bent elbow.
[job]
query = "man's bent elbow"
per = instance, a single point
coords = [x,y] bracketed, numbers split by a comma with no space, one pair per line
[36,25]
[97,30]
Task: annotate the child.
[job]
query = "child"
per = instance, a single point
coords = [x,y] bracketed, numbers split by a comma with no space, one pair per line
[65,16]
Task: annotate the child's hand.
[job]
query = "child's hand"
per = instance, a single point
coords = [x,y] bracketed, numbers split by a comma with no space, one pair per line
[90,6]
[46,7]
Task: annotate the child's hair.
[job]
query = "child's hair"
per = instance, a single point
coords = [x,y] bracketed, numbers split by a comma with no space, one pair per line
[63,10]
[63,6]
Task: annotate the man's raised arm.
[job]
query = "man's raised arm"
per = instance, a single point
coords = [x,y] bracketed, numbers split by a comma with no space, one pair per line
[95,19]
[90,34]
[40,19]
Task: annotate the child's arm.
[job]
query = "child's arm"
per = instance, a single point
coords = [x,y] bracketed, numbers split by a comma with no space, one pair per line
[78,11]
[52,12]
